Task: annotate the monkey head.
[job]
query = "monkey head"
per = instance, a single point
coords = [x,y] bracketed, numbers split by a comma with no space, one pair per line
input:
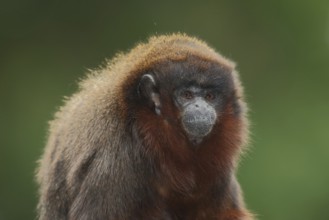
[191,93]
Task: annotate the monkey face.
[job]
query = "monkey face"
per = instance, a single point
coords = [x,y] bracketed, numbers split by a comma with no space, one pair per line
[198,111]
[199,90]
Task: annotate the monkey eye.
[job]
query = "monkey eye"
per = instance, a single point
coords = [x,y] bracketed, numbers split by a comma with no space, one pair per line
[210,96]
[187,94]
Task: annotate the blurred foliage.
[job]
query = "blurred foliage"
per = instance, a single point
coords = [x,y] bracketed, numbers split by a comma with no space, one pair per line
[282,51]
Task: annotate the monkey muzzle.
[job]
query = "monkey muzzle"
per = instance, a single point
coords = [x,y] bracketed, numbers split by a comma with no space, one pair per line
[198,120]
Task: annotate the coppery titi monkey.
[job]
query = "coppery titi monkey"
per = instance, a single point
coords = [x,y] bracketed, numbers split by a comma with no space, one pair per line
[155,134]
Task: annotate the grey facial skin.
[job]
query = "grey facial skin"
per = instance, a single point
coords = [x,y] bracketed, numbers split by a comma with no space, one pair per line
[198,120]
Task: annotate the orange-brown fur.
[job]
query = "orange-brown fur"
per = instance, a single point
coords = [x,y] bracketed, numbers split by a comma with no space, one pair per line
[84,142]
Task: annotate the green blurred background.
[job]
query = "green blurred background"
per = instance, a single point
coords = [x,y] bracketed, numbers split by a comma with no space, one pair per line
[282,51]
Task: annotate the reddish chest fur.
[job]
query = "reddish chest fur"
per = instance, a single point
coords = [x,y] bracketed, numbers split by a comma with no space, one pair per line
[186,173]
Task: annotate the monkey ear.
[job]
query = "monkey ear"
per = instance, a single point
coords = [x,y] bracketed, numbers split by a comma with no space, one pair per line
[147,88]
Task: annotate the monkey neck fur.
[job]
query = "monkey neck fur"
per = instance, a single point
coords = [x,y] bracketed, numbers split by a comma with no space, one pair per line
[183,166]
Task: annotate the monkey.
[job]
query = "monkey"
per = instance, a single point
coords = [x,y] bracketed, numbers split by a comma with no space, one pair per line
[155,133]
